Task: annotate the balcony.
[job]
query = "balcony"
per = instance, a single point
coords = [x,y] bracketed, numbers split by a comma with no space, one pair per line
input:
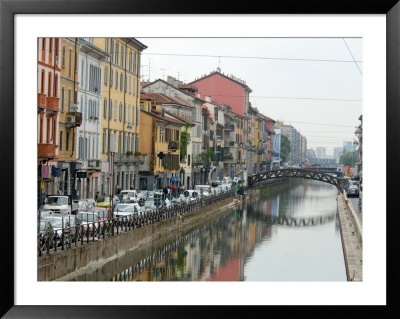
[172,146]
[52,103]
[229,127]
[41,100]
[129,159]
[73,119]
[228,157]
[46,150]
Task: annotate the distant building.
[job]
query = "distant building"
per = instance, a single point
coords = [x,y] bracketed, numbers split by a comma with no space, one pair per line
[311,154]
[337,152]
[320,152]
[348,147]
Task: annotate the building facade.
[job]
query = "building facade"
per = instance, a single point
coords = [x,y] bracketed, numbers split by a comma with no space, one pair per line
[48,79]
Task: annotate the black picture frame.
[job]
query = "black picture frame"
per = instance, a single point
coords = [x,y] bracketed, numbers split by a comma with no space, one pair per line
[9,8]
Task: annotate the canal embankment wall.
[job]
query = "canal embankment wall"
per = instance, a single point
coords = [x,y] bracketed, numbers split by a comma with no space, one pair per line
[83,263]
[351,235]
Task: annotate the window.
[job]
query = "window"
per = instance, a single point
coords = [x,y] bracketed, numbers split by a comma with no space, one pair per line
[117,53]
[107,45]
[104,141]
[69,99]
[120,112]
[121,82]
[106,75]
[130,82]
[125,82]
[67,142]
[61,140]
[63,57]
[133,87]
[111,109]
[111,77]
[43,49]
[129,114]
[134,63]
[130,60]
[105,108]
[122,56]
[62,99]
[83,69]
[42,82]
[112,51]
[124,112]
[116,79]
[133,114]
[49,85]
[70,63]
[115,110]
[137,115]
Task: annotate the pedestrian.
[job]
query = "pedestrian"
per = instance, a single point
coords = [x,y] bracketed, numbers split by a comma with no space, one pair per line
[97,196]
[131,187]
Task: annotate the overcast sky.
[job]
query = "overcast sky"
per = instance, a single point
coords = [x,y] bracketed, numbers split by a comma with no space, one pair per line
[321,99]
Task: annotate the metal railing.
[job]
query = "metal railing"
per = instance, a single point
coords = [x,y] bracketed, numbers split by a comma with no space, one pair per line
[68,237]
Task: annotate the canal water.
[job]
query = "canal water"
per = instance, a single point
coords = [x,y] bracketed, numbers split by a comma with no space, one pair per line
[253,244]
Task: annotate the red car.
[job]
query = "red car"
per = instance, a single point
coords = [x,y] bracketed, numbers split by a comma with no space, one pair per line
[103,212]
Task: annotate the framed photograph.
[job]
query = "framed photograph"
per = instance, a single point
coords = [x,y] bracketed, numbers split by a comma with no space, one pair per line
[173,38]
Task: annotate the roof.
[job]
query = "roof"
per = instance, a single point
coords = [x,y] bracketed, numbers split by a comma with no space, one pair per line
[165,99]
[169,84]
[164,118]
[179,117]
[225,76]
[145,96]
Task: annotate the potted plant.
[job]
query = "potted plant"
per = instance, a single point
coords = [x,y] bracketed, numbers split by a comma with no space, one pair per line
[129,153]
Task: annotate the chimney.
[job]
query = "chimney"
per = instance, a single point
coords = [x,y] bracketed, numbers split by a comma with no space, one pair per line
[208,98]
[198,94]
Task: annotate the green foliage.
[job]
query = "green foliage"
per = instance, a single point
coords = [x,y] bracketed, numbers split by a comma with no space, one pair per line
[349,158]
[185,135]
[285,148]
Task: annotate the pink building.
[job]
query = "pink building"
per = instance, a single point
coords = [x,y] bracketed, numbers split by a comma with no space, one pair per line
[224,89]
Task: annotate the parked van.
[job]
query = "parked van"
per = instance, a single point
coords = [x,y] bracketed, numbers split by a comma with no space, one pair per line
[203,190]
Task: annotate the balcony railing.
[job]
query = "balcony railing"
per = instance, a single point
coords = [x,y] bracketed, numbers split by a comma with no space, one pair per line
[129,159]
[41,100]
[73,119]
[172,146]
[230,127]
[52,103]
[46,150]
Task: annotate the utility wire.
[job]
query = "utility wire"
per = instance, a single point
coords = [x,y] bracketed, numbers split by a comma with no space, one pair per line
[355,62]
[249,57]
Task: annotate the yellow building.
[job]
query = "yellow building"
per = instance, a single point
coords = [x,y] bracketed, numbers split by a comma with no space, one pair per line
[159,137]
[69,118]
[120,119]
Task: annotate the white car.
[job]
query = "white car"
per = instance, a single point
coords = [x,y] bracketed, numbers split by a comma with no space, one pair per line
[130,194]
[127,209]
[190,195]
[226,187]
[88,218]
[203,190]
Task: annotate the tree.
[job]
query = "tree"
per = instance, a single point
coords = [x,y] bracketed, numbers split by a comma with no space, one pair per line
[185,135]
[285,148]
[349,158]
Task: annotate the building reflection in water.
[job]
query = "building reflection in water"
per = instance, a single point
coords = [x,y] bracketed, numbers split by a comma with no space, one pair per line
[219,251]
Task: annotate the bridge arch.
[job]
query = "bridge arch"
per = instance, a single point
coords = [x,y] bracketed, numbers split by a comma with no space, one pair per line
[339,182]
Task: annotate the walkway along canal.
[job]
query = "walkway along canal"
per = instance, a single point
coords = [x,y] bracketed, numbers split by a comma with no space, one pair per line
[287,231]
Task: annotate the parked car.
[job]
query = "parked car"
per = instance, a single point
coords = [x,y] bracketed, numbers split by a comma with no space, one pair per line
[103,212]
[203,190]
[59,223]
[89,218]
[215,182]
[105,201]
[60,204]
[123,210]
[129,193]
[226,187]
[149,205]
[83,205]
[90,202]
[45,213]
[191,195]
[352,190]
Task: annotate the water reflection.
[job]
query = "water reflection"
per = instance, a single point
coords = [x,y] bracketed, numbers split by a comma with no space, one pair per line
[264,241]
